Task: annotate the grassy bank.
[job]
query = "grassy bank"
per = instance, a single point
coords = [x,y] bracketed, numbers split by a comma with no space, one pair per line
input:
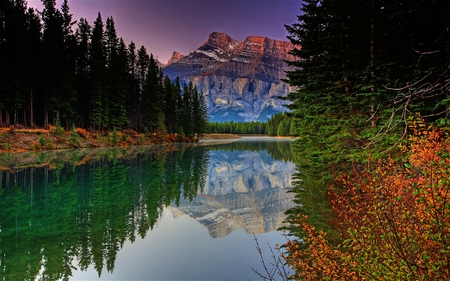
[17,140]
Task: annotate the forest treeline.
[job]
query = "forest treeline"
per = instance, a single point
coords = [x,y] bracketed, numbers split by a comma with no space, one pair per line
[280,124]
[55,69]
[231,127]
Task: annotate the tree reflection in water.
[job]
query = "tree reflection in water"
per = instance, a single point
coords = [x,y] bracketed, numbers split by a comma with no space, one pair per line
[60,207]
[54,214]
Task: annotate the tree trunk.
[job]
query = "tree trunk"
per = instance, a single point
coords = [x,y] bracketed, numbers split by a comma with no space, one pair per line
[7,118]
[24,117]
[45,117]
[31,110]
[1,118]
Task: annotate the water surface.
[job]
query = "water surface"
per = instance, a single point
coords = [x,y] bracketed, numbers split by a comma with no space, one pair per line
[156,213]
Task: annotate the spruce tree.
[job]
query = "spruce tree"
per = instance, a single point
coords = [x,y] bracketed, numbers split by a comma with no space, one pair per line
[13,58]
[34,58]
[170,104]
[199,112]
[59,93]
[152,96]
[83,71]
[98,108]
[187,111]
[179,106]
[133,87]
[116,86]
[349,54]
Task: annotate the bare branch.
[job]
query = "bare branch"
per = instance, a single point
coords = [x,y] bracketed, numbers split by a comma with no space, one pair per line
[277,266]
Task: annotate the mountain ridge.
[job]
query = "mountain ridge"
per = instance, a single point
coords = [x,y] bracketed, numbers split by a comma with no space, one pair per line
[240,80]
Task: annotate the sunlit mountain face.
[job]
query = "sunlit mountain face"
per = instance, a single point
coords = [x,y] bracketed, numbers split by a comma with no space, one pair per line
[240,80]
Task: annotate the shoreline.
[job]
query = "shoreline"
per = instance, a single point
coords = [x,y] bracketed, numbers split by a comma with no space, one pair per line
[21,140]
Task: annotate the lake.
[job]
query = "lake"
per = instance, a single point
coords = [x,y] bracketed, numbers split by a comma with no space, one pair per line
[174,212]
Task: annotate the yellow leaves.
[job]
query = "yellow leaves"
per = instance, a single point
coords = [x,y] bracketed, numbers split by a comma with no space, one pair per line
[395,222]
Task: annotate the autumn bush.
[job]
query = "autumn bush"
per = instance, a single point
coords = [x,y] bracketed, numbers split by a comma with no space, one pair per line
[82,132]
[393,219]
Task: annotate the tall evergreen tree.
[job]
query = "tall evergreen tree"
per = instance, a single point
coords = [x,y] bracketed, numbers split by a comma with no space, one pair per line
[59,93]
[179,106]
[13,58]
[99,109]
[170,104]
[199,112]
[33,35]
[188,105]
[142,64]
[116,87]
[119,92]
[133,87]
[152,95]
[82,70]
[349,54]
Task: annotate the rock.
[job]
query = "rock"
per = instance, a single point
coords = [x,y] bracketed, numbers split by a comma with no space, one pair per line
[247,190]
[240,80]
[175,57]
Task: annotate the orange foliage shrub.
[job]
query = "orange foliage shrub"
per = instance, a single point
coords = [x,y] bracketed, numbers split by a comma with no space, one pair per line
[394,221]
[82,132]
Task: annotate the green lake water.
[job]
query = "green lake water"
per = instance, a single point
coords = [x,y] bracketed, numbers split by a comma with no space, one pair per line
[144,213]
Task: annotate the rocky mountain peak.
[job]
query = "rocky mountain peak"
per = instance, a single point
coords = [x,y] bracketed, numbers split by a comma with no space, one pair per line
[221,41]
[175,57]
[241,80]
[219,46]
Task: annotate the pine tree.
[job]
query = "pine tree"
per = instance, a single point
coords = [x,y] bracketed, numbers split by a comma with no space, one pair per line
[199,112]
[59,93]
[170,104]
[33,35]
[349,54]
[152,95]
[83,71]
[116,86]
[179,106]
[187,113]
[13,62]
[133,87]
[98,108]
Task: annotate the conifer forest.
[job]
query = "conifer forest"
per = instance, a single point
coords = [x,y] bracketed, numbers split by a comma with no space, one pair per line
[55,69]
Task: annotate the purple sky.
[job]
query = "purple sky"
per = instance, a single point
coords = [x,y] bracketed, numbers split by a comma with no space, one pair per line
[164,26]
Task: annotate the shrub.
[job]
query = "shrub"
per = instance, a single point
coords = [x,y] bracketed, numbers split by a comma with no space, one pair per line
[59,128]
[42,141]
[124,138]
[82,132]
[114,137]
[74,138]
[7,146]
[394,221]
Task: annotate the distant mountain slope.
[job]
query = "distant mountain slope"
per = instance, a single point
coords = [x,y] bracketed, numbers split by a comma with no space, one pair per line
[247,190]
[241,80]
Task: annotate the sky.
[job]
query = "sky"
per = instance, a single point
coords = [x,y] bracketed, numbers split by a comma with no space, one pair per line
[165,26]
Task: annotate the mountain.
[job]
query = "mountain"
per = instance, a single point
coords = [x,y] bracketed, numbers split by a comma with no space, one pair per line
[240,80]
[247,190]
[175,57]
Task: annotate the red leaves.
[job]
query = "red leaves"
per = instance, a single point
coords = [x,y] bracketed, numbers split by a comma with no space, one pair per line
[395,221]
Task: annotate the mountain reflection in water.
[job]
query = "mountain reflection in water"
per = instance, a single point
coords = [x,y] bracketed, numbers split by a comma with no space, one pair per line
[73,212]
